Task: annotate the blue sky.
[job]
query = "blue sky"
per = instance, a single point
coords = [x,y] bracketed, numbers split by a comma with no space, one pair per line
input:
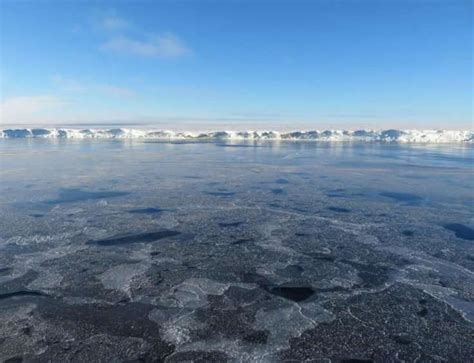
[337,63]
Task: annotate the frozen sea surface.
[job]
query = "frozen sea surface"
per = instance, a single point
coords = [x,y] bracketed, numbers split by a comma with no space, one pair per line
[139,250]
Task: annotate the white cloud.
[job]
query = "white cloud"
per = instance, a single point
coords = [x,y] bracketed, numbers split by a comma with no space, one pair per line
[128,38]
[28,108]
[165,45]
[113,23]
[67,84]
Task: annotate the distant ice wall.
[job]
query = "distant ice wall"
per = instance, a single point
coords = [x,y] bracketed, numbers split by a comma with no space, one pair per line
[392,135]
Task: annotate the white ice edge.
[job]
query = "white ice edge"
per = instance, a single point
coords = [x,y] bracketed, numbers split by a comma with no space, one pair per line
[391,135]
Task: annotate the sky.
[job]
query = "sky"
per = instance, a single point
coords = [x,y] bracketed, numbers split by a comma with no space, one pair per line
[351,64]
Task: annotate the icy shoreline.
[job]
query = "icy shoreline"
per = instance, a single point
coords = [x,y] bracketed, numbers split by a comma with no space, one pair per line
[391,135]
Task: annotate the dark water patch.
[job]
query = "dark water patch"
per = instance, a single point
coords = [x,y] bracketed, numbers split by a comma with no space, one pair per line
[278,191]
[402,339]
[321,256]
[300,234]
[5,270]
[339,209]
[146,211]
[242,241]
[443,283]
[408,233]
[301,173]
[293,293]
[461,231]
[372,275]
[78,195]
[19,283]
[27,330]
[423,312]
[281,181]
[294,268]
[16,359]
[302,210]
[232,224]
[19,293]
[36,215]
[335,195]
[256,337]
[402,197]
[135,238]
[220,194]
